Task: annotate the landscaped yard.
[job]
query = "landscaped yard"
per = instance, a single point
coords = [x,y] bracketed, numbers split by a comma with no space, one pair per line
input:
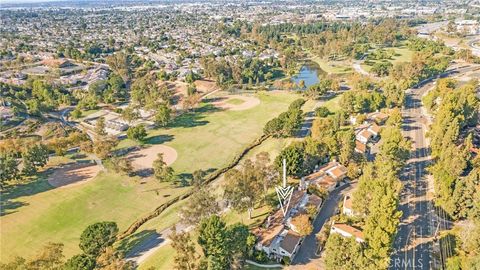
[208,139]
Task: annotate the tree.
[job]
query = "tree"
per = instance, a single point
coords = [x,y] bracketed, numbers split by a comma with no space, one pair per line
[394,147]
[8,168]
[243,187]
[213,238]
[302,224]
[76,113]
[130,114]
[137,133]
[241,241]
[186,256]
[100,126]
[294,156]
[97,237]
[322,111]
[266,172]
[80,262]
[34,157]
[49,257]
[200,205]
[102,147]
[198,178]
[110,259]
[163,115]
[122,165]
[346,142]
[395,119]
[161,170]
[381,68]
[301,84]
[343,253]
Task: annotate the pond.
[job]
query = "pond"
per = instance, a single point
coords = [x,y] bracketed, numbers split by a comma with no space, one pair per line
[309,73]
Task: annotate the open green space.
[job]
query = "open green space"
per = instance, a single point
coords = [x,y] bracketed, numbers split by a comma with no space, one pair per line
[46,215]
[331,66]
[161,259]
[207,139]
[402,54]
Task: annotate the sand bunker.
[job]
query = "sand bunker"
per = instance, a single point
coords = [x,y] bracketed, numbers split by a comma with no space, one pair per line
[73,173]
[143,158]
[237,102]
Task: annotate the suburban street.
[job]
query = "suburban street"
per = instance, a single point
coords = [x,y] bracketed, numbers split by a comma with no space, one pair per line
[415,246]
[306,257]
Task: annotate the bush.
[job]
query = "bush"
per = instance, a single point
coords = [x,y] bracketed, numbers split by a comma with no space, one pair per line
[137,133]
[80,262]
[260,256]
[286,260]
[297,104]
[322,111]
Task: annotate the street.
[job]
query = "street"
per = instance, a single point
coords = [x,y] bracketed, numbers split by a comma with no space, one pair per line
[413,243]
[306,254]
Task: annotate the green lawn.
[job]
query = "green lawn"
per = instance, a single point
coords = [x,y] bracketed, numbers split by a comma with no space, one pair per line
[332,67]
[60,215]
[161,259]
[402,54]
[206,140]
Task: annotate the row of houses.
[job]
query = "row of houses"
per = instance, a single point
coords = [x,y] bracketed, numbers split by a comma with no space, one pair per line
[278,237]
[368,132]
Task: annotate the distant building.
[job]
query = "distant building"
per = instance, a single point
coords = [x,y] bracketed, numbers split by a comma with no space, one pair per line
[6,113]
[470,27]
[57,63]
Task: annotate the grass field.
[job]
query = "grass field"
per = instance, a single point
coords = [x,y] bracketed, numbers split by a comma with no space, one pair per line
[332,67]
[205,140]
[402,54]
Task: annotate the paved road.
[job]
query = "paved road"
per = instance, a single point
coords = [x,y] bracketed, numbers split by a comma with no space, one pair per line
[152,243]
[413,244]
[358,67]
[306,254]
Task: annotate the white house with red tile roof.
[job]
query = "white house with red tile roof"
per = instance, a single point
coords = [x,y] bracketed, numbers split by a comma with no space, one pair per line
[348,231]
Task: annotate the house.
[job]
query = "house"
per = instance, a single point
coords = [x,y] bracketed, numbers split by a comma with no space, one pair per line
[378,117]
[375,130]
[335,170]
[328,176]
[361,148]
[364,136]
[348,231]
[289,244]
[277,236]
[321,180]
